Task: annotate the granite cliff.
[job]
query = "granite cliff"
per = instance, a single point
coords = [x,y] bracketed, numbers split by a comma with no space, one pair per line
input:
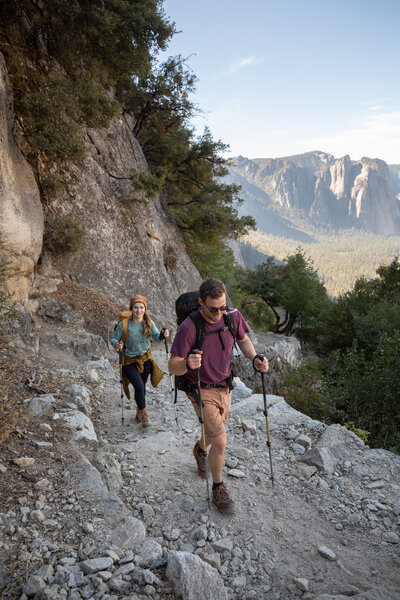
[131,244]
[334,192]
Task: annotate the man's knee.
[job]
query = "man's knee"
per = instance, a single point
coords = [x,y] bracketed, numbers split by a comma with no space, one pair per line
[219,443]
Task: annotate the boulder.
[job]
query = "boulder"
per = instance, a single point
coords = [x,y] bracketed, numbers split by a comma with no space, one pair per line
[193,578]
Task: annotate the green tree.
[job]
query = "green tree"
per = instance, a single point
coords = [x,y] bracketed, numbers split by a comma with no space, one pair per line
[365,389]
[114,48]
[301,293]
[160,101]
[112,42]
[292,291]
[301,389]
[264,282]
[203,205]
[363,314]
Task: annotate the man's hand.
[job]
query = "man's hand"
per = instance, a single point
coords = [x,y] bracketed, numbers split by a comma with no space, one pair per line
[193,360]
[260,363]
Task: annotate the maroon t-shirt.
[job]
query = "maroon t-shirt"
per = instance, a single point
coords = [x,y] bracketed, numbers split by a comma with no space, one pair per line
[216,362]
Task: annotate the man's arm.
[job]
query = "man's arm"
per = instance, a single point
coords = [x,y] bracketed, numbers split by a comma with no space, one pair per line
[247,349]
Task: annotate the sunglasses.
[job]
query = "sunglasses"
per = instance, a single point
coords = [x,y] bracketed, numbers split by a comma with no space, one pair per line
[214,309]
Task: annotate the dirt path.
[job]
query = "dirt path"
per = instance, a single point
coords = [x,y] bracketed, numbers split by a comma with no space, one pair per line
[275,535]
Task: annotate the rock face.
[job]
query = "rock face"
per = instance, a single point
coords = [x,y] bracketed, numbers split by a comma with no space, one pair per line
[132,245]
[21,222]
[338,192]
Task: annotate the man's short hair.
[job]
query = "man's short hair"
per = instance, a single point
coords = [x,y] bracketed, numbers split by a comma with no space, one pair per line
[211,287]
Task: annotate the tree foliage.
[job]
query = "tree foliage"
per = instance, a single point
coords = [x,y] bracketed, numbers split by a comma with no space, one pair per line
[301,389]
[112,41]
[363,314]
[365,389]
[340,257]
[359,334]
[110,63]
[193,167]
[292,290]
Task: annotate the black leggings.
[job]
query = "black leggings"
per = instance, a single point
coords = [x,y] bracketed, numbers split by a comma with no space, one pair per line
[138,380]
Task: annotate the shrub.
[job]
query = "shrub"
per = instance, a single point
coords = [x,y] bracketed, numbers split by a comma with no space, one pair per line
[170,258]
[302,390]
[51,184]
[66,236]
[7,306]
[362,433]
[50,120]
[364,388]
[55,111]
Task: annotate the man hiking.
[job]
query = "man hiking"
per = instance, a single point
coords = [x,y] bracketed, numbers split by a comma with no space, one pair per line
[214,364]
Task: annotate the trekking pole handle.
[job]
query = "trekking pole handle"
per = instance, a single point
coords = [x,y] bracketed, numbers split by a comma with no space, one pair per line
[194,351]
[260,357]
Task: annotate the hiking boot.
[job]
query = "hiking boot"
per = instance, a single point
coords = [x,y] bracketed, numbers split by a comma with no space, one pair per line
[198,453]
[143,418]
[222,500]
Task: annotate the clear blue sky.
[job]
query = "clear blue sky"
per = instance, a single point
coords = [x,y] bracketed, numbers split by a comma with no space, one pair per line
[281,77]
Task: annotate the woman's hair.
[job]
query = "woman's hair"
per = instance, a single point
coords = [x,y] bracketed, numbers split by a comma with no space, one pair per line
[146,318]
[211,287]
[146,325]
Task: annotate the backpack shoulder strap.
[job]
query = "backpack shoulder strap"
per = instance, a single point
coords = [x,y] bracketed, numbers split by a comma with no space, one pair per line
[200,328]
[124,329]
[229,322]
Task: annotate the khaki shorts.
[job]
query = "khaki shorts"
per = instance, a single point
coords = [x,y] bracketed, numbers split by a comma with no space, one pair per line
[217,403]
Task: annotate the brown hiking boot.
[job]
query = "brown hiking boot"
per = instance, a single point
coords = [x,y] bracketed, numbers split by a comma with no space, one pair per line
[199,456]
[222,500]
[143,418]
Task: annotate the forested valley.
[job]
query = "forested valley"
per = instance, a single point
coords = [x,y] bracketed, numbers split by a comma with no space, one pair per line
[339,256]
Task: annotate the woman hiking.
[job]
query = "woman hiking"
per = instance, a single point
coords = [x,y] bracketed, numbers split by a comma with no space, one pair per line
[137,360]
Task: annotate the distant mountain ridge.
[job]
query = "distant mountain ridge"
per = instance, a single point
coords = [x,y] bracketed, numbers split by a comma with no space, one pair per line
[339,193]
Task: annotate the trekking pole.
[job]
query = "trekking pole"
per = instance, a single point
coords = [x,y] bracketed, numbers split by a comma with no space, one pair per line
[203,434]
[261,357]
[171,387]
[122,392]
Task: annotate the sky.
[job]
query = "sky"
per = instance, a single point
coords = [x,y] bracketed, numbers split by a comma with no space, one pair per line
[282,77]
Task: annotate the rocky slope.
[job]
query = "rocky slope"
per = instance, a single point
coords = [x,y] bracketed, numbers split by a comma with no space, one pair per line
[335,192]
[96,508]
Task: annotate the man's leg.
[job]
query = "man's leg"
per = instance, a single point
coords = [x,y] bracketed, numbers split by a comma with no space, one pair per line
[216,457]
[216,405]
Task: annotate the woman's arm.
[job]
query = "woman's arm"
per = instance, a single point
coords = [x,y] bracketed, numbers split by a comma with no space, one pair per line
[116,336]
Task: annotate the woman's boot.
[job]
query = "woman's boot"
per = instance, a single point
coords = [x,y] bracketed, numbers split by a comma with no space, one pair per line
[143,418]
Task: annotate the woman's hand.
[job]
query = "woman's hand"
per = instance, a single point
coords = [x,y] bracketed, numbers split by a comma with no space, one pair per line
[119,346]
